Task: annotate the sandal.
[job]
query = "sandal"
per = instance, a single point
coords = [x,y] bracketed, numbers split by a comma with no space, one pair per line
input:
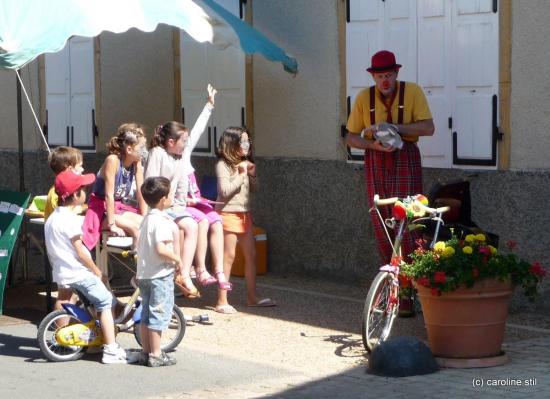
[225,309]
[224,285]
[191,293]
[204,278]
[263,303]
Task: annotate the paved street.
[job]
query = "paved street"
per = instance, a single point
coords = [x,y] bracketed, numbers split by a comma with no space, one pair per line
[307,347]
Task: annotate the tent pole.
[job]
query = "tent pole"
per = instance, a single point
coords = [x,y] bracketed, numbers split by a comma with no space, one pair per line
[20,137]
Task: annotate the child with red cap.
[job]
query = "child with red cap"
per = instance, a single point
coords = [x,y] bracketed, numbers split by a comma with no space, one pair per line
[72,264]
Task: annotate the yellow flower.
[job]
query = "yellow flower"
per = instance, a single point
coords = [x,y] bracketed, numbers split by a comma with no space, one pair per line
[467,249]
[493,250]
[439,246]
[470,238]
[480,237]
[417,208]
[448,252]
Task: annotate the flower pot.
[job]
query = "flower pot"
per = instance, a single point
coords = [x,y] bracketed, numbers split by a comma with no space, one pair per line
[467,322]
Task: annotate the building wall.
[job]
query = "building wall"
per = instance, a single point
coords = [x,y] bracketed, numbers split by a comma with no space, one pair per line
[8,108]
[137,79]
[530,94]
[298,116]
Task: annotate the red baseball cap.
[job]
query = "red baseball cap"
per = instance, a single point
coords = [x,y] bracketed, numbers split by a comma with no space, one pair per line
[68,182]
[383,61]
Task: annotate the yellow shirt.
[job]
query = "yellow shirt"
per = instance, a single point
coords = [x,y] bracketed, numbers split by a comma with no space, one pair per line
[415,109]
[51,203]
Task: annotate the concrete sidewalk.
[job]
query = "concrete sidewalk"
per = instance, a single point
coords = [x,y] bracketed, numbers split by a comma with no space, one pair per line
[309,346]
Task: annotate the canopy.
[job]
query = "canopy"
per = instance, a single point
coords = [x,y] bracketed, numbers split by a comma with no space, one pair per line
[29,28]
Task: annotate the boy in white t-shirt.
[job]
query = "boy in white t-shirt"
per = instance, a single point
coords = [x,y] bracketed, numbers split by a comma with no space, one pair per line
[156,264]
[72,264]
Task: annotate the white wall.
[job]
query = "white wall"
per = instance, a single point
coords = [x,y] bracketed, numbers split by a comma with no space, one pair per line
[298,116]
[530,97]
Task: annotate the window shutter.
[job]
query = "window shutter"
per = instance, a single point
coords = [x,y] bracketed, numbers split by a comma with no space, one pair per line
[58,96]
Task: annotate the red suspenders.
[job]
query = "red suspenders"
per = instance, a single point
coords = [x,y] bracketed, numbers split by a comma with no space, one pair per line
[400,105]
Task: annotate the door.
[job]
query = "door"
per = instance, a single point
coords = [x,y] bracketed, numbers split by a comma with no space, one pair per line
[70,95]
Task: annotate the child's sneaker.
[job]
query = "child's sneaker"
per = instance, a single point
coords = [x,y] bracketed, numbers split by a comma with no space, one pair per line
[143,358]
[114,354]
[160,361]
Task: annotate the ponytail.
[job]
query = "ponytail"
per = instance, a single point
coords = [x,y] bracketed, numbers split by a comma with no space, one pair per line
[127,134]
[170,130]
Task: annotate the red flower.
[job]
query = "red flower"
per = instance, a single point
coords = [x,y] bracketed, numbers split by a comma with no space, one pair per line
[537,269]
[485,250]
[420,242]
[475,272]
[511,244]
[399,213]
[396,260]
[423,281]
[439,277]
[436,292]
[404,281]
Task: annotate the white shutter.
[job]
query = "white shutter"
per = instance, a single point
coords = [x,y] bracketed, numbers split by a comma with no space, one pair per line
[364,37]
[70,94]
[82,91]
[434,32]
[475,75]
[57,96]
[400,35]
[202,63]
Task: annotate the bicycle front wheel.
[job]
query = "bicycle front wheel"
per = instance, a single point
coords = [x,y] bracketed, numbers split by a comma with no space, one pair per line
[379,311]
[171,337]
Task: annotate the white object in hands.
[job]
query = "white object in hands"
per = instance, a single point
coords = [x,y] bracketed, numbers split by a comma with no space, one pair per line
[388,135]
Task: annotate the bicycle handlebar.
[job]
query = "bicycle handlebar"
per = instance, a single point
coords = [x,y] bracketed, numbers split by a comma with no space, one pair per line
[386,201]
[390,201]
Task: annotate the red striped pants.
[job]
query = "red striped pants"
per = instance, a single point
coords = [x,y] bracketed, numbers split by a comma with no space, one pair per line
[392,174]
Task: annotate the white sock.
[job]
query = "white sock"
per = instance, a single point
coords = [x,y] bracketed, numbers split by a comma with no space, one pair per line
[112,346]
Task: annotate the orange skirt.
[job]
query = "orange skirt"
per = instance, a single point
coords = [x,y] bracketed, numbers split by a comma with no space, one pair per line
[236,222]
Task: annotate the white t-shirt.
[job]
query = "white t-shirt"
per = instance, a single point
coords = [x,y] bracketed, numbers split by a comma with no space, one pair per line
[60,228]
[155,227]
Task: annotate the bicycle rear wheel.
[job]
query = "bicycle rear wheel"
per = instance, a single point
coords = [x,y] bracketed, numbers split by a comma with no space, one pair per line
[47,338]
[171,337]
[379,311]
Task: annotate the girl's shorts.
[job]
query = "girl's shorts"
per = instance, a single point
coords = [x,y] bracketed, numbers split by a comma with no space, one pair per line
[202,211]
[236,222]
[177,213]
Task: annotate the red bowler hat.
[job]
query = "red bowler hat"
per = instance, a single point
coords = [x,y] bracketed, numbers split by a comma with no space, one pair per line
[68,182]
[383,61]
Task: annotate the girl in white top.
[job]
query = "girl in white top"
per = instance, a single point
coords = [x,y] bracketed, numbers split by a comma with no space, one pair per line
[168,159]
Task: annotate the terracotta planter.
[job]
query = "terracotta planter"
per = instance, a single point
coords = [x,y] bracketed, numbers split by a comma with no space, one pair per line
[468,322]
